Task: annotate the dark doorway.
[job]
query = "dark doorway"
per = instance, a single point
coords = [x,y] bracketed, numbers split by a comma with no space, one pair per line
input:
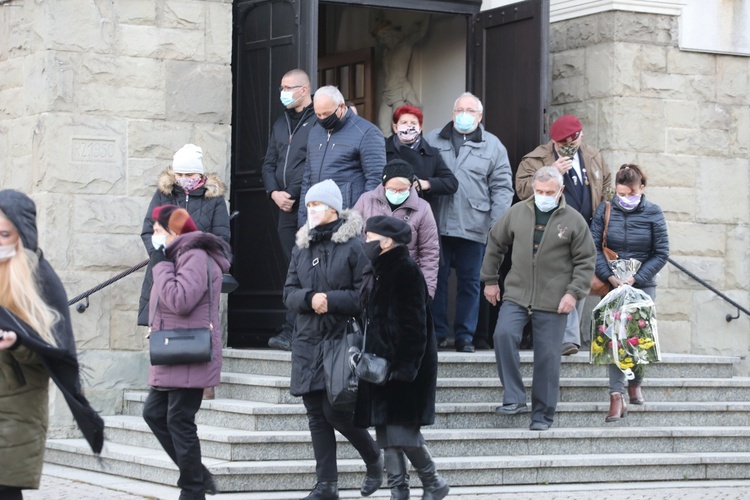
[272,36]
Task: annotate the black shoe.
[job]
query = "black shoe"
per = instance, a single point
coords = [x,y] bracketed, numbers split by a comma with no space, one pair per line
[539,426]
[209,483]
[569,348]
[511,409]
[464,346]
[283,340]
[443,344]
[373,478]
[324,490]
[481,344]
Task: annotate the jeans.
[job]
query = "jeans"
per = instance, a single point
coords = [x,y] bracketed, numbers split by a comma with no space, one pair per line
[466,257]
[323,419]
[171,417]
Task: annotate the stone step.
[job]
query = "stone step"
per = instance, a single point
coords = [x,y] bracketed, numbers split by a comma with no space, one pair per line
[155,466]
[242,445]
[481,364]
[250,415]
[272,389]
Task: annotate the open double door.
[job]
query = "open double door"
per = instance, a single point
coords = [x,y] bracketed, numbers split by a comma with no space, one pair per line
[506,66]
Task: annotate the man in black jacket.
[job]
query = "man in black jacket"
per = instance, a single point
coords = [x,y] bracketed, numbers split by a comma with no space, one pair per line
[283,167]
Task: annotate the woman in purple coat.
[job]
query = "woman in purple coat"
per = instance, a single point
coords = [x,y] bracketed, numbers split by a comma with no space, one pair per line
[181,271]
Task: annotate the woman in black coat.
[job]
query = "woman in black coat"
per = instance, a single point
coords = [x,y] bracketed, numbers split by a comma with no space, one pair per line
[407,143]
[322,287]
[399,328]
[637,230]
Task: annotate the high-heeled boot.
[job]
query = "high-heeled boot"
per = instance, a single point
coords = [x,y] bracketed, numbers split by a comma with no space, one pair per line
[324,490]
[398,476]
[434,486]
[635,395]
[617,407]
[373,478]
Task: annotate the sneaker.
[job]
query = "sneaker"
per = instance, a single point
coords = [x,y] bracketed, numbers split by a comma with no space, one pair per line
[282,341]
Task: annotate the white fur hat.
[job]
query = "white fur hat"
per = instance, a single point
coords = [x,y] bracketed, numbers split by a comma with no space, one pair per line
[188,160]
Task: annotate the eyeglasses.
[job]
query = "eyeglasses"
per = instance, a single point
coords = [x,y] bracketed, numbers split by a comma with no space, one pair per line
[283,88]
[472,112]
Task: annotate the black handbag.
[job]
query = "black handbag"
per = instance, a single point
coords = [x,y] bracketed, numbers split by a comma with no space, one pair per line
[182,345]
[369,367]
[341,381]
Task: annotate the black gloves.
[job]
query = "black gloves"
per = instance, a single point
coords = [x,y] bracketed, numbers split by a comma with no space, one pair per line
[156,257]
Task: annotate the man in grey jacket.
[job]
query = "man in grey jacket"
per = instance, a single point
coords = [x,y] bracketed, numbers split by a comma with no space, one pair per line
[553,262]
[485,190]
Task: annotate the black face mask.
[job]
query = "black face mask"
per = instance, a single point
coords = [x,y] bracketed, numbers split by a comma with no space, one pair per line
[330,121]
[372,249]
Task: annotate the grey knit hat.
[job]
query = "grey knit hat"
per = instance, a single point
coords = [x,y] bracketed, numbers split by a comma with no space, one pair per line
[326,192]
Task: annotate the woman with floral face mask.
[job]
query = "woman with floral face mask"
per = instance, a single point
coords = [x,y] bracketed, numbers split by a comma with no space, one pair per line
[636,230]
[397,197]
[186,185]
[433,177]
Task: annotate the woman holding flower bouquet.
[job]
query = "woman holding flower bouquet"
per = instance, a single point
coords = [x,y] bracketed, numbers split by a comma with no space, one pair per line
[636,230]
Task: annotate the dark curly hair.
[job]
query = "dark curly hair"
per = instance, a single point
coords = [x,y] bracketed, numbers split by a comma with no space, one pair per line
[630,175]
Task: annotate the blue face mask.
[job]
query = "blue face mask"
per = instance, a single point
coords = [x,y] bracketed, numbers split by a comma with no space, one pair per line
[396,198]
[287,98]
[464,123]
[545,203]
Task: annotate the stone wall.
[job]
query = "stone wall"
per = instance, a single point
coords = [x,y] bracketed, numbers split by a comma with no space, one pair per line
[684,117]
[96,97]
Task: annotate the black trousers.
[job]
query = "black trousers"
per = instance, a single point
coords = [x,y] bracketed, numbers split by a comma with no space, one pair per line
[171,417]
[323,419]
[10,493]
[287,234]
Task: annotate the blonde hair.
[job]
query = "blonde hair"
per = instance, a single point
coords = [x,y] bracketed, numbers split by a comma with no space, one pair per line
[19,292]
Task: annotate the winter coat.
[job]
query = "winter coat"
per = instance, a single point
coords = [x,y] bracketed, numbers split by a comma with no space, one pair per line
[352,155]
[25,369]
[485,185]
[427,164]
[206,207]
[563,263]
[424,247]
[600,179]
[326,259]
[638,234]
[287,150]
[399,328]
[181,285]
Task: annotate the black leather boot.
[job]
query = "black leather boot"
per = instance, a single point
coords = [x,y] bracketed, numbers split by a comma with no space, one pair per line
[398,475]
[373,478]
[324,490]
[434,486]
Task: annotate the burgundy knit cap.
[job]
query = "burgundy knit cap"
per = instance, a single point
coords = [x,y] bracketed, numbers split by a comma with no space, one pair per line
[176,219]
[566,128]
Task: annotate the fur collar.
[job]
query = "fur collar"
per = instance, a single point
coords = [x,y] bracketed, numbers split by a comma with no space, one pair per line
[213,186]
[351,228]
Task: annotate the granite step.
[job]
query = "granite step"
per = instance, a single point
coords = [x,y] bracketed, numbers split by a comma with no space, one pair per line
[481,364]
[155,466]
[272,389]
[235,444]
[251,415]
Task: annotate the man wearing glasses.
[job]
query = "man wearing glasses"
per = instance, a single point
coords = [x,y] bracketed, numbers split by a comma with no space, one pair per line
[485,190]
[283,168]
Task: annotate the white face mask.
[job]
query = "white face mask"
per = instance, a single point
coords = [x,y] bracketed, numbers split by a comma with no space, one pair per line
[315,215]
[7,252]
[545,203]
[159,241]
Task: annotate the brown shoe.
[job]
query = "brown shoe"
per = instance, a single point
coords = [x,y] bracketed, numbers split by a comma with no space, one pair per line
[617,407]
[209,393]
[635,395]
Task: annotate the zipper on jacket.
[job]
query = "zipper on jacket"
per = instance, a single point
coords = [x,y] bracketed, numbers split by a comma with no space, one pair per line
[289,145]
[323,160]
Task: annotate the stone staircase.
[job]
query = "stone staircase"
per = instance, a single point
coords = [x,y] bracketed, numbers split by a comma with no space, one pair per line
[254,436]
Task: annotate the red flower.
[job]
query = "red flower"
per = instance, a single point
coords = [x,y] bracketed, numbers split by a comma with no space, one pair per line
[633,341]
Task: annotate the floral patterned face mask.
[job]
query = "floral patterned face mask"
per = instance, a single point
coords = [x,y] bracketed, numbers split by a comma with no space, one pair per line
[569,150]
[188,183]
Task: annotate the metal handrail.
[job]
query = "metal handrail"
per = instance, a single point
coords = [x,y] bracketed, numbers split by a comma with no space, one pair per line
[728,317]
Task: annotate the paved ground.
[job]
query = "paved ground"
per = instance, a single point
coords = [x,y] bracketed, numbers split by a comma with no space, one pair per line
[61,483]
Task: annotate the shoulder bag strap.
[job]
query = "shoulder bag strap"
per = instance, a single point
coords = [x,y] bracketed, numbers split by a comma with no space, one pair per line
[606,225]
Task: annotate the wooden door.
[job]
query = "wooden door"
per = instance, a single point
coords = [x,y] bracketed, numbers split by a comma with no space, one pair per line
[353,74]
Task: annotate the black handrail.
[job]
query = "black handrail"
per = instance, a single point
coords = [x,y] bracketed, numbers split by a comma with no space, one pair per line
[728,317]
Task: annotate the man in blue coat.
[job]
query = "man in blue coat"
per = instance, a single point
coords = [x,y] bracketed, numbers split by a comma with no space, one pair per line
[342,147]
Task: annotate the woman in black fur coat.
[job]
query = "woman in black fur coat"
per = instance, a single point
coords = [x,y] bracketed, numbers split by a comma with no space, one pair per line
[399,328]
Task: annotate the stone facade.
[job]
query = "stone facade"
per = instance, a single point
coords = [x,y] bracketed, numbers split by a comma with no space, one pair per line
[684,117]
[97,96]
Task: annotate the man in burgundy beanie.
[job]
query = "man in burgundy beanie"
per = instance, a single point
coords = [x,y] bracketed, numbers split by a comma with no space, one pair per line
[587,181]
